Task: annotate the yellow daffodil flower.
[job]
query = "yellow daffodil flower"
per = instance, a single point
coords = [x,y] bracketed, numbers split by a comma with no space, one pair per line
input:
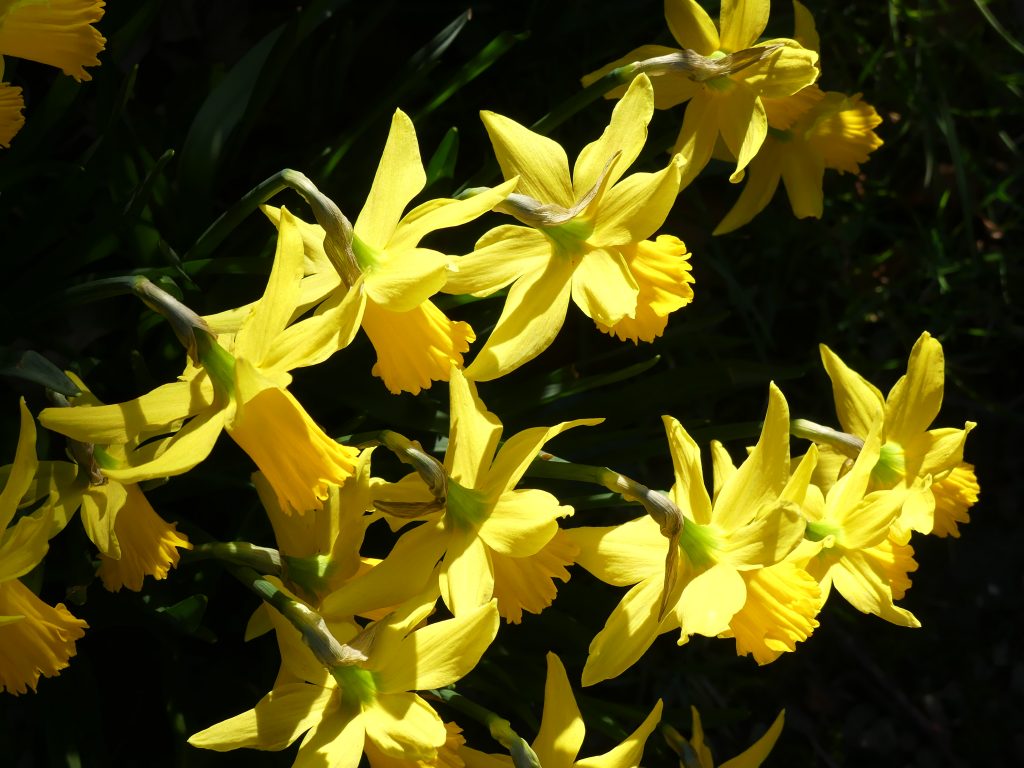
[370,702]
[54,32]
[695,753]
[753,524]
[724,73]
[927,462]
[35,638]
[587,239]
[491,539]
[848,544]
[416,343]
[562,731]
[242,390]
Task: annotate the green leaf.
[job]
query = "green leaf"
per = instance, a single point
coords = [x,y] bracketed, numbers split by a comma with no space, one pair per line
[186,615]
[32,366]
[442,163]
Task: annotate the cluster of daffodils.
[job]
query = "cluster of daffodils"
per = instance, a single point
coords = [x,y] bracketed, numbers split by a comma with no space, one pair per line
[371,647]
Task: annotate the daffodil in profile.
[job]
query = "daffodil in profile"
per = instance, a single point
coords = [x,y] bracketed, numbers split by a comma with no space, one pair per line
[586,239]
[371,702]
[11,106]
[753,523]
[491,538]
[562,731]
[241,388]
[694,753]
[35,638]
[928,463]
[723,73]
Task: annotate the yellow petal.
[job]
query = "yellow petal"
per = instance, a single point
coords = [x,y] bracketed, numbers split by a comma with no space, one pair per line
[522,522]
[630,751]
[762,176]
[722,468]
[743,125]
[415,348]
[277,721]
[842,132]
[444,213]
[519,451]
[40,643]
[399,178]
[691,26]
[101,506]
[859,404]
[149,545]
[57,32]
[698,134]
[23,469]
[406,278]
[539,162]
[439,653]
[782,602]
[621,555]
[670,88]
[636,207]
[528,583]
[154,412]
[531,318]
[561,725]
[804,31]
[274,310]
[742,22]
[24,544]
[688,490]
[336,741]
[757,753]
[175,455]
[802,173]
[760,479]
[954,495]
[870,579]
[622,140]
[504,254]
[603,287]
[631,628]
[473,435]
[710,601]
[11,117]
[915,400]
[767,539]
[403,725]
[784,113]
[781,73]
[467,577]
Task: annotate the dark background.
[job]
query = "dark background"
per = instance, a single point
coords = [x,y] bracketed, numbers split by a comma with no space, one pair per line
[926,238]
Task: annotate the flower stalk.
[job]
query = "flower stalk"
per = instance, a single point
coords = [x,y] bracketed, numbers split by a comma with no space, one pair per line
[500,729]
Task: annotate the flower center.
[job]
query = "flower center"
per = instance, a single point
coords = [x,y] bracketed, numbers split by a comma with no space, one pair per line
[358,686]
[466,507]
[891,467]
[367,257]
[698,543]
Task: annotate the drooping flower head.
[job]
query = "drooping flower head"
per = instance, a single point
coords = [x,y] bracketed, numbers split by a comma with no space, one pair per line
[587,239]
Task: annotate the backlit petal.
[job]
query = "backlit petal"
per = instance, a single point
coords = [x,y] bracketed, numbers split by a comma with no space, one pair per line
[688,490]
[742,22]
[406,278]
[405,726]
[539,162]
[444,213]
[858,402]
[621,555]
[504,254]
[561,725]
[335,742]
[710,601]
[603,287]
[636,207]
[467,578]
[473,434]
[744,126]
[691,26]
[175,455]
[762,177]
[522,522]
[915,400]
[782,73]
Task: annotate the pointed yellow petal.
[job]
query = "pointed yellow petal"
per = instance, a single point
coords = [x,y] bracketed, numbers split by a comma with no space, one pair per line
[24,544]
[629,752]
[636,207]
[473,435]
[504,254]
[277,721]
[531,318]
[621,555]
[757,753]
[23,469]
[915,401]
[403,725]
[699,132]
[760,479]
[415,348]
[399,178]
[519,451]
[804,31]
[442,214]
[336,741]
[709,601]
[859,404]
[625,135]
[406,278]
[154,412]
[522,522]
[273,311]
[870,580]
[11,117]
[57,32]
[101,506]
[473,758]
[467,577]
[539,162]
[767,539]
[603,287]
[40,643]
[762,176]
[802,173]
[631,628]
[781,73]
[742,22]
[175,455]
[744,126]
[561,725]
[688,490]
[722,468]
[691,26]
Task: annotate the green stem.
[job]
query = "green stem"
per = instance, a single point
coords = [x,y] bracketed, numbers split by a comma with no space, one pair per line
[261,559]
[500,729]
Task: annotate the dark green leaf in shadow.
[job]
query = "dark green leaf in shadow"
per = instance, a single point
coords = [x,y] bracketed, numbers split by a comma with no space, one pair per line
[32,366]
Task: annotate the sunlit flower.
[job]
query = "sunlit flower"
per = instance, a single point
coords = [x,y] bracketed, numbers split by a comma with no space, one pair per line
[587,238]
[695,753]
[562,730]
[35,638]
[241,389]
[723,73]
[753,523]
[11,105]
[488,531]
[912,455]
[372,702]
